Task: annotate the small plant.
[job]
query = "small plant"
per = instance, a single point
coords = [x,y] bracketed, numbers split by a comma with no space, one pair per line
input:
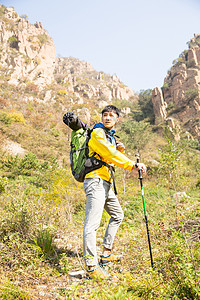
[2,185]
[44,244]
[27,60]
[43,38]
[62,93]
[37,61]
[170,160]
[25,17]
[170,106]
[178,61]
[165,86]
[13,42]
[16,117]
[15,218]
[10,291]
[5,118]
[190,63]
[137,134]
[191,94]
[2,10]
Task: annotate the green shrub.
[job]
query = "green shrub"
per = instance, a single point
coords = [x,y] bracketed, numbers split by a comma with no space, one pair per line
[191,94]
[43,38]
[44,244]
[137,134]
[178,61]
[15,166]
[25,17]
[10,291]
[2,10]
[8,118]
[144,111]
[5,118]
[15,218]
[16,117]
[13,42]
[2,185]
[170,160]
[62,93]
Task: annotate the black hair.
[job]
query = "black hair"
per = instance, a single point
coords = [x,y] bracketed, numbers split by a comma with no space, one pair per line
[109,108]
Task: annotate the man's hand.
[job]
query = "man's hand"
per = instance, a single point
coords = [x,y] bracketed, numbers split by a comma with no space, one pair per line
[141,166]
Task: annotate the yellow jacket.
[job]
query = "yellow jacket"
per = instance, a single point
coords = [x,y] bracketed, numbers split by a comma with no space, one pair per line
[108,153]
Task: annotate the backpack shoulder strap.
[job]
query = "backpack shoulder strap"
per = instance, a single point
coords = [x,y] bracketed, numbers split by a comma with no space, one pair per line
[111,168]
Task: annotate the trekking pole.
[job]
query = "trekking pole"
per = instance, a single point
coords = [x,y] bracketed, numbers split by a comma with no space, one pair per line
[145,213]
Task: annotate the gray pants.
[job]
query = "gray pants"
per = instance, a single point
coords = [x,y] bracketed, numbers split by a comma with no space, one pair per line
[99,196]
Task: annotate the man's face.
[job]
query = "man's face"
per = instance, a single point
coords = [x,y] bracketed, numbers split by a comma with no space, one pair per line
[109,119]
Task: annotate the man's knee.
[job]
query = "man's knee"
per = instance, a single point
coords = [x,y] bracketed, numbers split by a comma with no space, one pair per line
[119,217]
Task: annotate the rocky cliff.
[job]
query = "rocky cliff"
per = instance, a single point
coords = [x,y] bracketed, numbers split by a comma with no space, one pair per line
[28,56]
[27,51]
[178,101]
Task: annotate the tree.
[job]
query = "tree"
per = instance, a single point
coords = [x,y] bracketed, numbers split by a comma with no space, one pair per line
[137,134]
[145,107]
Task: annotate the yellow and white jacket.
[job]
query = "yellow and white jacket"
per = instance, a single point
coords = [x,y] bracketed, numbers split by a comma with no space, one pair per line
[108,153]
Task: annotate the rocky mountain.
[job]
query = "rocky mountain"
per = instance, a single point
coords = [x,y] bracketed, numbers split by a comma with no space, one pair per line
[28,63]
[28,56]
[27,51]
[178,101]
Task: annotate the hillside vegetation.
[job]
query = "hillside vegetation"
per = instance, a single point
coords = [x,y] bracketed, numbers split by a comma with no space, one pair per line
[42,206]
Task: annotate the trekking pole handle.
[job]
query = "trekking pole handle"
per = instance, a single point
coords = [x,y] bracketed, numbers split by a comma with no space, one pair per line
[136,165]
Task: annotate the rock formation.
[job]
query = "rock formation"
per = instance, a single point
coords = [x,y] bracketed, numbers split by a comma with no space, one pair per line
[179,98]
[28,56]
[85,82]
[27,51]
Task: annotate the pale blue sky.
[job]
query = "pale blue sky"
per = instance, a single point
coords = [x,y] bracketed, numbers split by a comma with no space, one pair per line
[137,40]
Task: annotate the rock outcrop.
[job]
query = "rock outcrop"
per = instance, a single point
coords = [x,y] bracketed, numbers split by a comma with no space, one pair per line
[85,82]
[179,98]
[28,56]
[27,51]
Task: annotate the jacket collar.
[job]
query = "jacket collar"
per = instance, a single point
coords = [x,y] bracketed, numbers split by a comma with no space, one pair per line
[100,125]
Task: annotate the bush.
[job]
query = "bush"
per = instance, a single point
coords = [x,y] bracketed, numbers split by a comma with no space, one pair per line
[16,117]
[44,243]
[8,118]
[178,61]
[2,185]
[137,134]
[43,38]
[25,17]
[2,10]
[13,42]
[15,218]
[191,94]
[5,118]
[145,107]
[15,166]
[62,93]
[10,291]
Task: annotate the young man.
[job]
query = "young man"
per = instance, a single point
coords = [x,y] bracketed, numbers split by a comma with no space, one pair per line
[98,189]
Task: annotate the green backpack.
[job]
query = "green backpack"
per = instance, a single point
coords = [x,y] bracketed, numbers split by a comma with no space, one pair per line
[79,153]
[80,162]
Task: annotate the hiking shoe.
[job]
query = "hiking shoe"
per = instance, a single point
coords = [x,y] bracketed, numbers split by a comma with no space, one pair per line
[98,273]
[105,260]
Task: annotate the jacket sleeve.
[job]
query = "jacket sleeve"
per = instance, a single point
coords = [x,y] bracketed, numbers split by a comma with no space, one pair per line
[107,151]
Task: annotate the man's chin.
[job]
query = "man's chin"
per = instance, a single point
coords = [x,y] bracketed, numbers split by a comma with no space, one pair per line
[108,126]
